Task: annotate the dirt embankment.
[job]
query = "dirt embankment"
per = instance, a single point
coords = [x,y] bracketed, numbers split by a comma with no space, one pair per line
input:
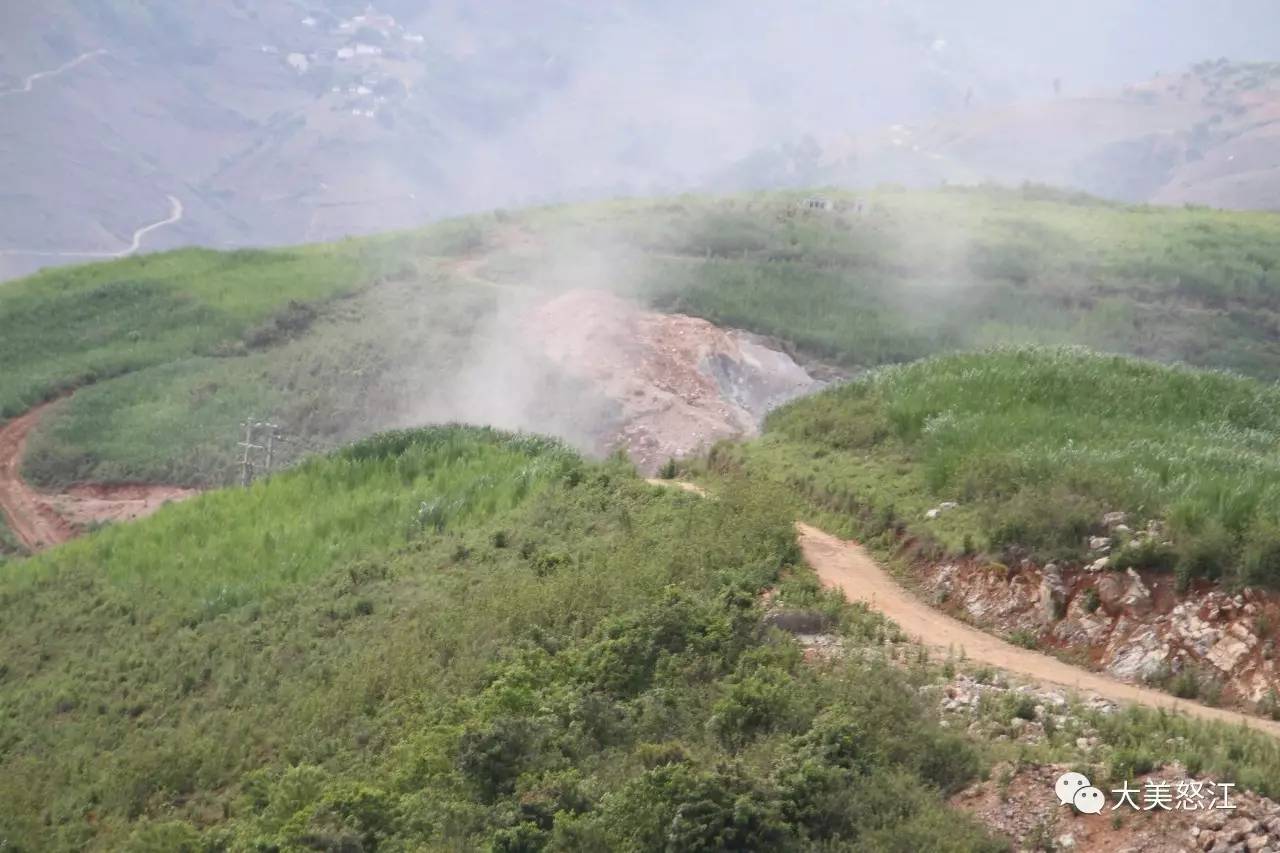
[1133,625]
[848,567]
[681,383]
[41,520]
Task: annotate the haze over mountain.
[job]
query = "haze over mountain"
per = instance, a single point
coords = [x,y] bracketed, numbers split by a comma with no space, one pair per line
[159,124]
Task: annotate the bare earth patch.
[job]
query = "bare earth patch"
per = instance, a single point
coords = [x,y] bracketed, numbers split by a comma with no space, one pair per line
[682,383]
[41,520]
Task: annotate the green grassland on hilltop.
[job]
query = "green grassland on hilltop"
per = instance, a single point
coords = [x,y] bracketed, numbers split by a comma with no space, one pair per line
[180,347]
[1036,445]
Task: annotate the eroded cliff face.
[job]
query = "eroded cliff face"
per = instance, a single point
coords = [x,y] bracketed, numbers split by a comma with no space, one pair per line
[680,383]
[1208,643]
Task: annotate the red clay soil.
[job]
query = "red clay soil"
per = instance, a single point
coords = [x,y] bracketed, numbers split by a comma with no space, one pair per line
[41,520]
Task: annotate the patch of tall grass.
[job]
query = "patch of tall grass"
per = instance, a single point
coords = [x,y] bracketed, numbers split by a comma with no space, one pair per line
[1043,442]
[230,547]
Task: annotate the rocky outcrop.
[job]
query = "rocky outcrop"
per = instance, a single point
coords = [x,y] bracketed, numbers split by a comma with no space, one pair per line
[1131,624]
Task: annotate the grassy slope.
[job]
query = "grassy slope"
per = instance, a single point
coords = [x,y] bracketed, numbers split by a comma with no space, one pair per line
[547,653]
[1036,444]
[206,337]
[550,655]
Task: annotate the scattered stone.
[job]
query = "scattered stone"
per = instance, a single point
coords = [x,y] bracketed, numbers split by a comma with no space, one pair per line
[940,509]
[797,621]
[1111,519]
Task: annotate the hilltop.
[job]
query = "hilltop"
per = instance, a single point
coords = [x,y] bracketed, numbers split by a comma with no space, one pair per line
[460,636]
[171,352]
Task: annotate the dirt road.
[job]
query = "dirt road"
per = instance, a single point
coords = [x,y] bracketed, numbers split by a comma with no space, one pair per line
[30,81]
[41,520]
[35,524]
[847,566]
[176,212]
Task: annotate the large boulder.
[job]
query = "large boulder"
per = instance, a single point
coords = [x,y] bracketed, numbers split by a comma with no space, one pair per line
[797,621]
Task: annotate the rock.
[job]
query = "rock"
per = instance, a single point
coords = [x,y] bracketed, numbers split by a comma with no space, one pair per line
[940,509]
[797,621]
[1053,594]
[1228,651]
[1255,842]
[1207,840]
[1098,565]
[1137,596]
[1065,842]
[1099,543]
[1111,519]
[1135,657]
[1111,588]
[1237,828]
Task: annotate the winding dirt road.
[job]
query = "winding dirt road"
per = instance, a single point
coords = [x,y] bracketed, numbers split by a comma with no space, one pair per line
[31,79]
[41,520]
[35,524]
[176,212]
[846,566]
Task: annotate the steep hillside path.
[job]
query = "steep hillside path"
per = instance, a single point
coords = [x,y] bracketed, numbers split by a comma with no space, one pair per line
[849,568]
[41,520]
[30,81]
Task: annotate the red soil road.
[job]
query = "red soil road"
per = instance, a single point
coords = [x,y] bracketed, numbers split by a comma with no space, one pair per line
[42,520]
[847,567]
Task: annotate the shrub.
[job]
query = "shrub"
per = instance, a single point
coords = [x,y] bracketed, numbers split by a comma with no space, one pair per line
[1092,600]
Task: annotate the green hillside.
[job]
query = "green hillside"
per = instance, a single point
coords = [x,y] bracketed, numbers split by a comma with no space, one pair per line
[1035,445]
[452,639]
[462,639]
[327,340]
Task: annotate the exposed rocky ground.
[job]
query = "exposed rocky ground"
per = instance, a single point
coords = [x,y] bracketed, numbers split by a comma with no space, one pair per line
[681,383]
[1188,811]
[1018,801]
[1211,644]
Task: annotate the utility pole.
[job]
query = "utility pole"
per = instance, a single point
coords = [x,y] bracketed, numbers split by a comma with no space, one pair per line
[246,460]
[251,428]
[273,433]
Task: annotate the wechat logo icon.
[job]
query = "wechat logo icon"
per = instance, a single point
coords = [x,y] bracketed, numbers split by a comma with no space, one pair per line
[1074,789]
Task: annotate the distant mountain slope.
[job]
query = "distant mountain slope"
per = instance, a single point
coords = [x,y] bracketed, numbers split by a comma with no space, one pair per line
[1209,135]
[282,122]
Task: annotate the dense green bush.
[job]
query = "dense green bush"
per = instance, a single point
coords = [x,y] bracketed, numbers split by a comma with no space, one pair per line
[407,687]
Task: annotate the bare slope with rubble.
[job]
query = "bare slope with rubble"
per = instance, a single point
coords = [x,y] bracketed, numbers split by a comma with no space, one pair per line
[681,383]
